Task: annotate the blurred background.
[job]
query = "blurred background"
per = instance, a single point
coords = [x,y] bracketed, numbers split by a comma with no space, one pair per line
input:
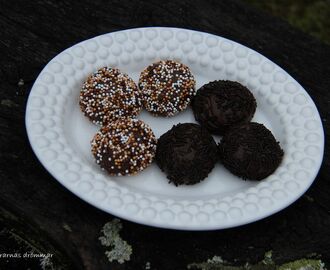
[310,16]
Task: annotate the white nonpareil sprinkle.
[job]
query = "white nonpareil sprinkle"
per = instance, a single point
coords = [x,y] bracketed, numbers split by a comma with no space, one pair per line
[124,147]
[166,86]
[109,94]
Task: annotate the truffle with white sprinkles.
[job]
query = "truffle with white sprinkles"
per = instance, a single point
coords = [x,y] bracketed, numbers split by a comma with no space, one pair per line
[167,87]
[108,94]
[124,147]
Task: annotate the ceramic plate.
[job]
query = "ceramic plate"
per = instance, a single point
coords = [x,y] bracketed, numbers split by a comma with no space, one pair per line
[60,135]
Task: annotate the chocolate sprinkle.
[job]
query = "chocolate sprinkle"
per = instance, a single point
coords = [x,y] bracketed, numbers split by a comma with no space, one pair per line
[167,88]
[108,94]
[186,153]
[220,105]
[124,147]
[250,151]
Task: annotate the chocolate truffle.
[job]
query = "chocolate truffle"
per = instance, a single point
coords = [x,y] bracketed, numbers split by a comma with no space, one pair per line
[220,105]
[186,153]
[167,88]
[250,151]
[108,94]
[124,147]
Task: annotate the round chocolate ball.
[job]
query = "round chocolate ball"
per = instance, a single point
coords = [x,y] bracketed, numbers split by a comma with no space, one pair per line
[167,87]
[186,153]
[219,105]
[250,151]
[108,94]
[124,147]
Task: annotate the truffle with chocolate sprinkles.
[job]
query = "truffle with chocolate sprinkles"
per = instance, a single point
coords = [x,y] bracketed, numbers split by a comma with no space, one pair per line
[186,153]
[124,147]
[219,105]
[250,151]
[167,87]
[108,94]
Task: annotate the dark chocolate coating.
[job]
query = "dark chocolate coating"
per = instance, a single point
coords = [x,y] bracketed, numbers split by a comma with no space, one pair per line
[250,151]
[220,105]
[186,153]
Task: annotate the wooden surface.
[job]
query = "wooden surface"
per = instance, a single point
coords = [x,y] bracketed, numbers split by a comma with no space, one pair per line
[37,208]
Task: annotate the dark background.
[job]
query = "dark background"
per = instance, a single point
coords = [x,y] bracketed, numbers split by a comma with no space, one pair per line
[311,17]
[37,213]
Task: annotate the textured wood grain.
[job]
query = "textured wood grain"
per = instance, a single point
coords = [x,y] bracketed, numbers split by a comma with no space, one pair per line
[33,32]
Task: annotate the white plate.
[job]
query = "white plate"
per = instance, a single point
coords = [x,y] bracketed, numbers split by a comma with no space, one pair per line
[60,135]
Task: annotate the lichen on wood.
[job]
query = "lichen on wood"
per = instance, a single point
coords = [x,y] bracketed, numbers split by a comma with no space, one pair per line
[120,250]
[303,264]
[217,263]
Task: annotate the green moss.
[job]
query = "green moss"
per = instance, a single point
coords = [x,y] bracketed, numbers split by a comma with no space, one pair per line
[120,250]
[303,264]
[217,263]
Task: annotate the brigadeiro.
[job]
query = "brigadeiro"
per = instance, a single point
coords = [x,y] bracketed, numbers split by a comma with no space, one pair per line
[167,87]
[186,153]
[250,151]
[124,147]
[109,94]
[219,105]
